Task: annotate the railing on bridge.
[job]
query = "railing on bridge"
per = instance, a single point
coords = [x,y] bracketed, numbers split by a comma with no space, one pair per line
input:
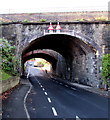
[68,32]
[74,33]
[64,31]
[59,30]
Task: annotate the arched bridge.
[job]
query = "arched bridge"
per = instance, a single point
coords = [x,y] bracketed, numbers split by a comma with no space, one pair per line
[74,52]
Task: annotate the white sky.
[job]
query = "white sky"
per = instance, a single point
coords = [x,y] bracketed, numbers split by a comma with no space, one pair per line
[33,6]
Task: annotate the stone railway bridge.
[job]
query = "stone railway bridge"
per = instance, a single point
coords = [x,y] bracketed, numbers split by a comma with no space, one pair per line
[75,53]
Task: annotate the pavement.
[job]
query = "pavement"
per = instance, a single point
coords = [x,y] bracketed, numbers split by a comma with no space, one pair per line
[13,106]
[85,87]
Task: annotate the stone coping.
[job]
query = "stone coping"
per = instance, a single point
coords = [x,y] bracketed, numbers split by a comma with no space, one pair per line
[41,23]
[8,84]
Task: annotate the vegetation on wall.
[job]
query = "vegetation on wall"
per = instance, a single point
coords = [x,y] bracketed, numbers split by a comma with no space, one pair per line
[43,20]
[9,62]
[106,69]
[5,76]
[102,18]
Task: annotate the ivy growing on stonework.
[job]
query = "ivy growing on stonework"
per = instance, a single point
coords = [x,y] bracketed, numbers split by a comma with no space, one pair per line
[106,69]
[9,61]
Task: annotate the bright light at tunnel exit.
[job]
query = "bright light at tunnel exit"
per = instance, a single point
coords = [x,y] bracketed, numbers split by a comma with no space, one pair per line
[42,64]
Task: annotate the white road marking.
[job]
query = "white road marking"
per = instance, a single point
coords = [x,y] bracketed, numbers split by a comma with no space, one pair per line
[54,111]
[73,88]
[77,118]
[61,84]
[49,100]
[25,108]
[37,80]
[43,89]
[45,93]
[41,86]
[28,73]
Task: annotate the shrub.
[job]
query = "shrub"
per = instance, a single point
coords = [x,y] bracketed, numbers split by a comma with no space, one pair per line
[43,20]
[25,21]
[9,61]
[101,18]
[106,69]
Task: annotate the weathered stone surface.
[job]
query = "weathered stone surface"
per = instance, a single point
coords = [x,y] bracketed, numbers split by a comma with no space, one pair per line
[8,84]
[81,49]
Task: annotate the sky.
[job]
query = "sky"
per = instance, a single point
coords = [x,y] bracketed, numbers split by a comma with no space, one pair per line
[37,6]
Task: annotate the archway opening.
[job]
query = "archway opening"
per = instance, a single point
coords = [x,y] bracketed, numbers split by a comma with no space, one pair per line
[42,64]
[37,66]
[77,53]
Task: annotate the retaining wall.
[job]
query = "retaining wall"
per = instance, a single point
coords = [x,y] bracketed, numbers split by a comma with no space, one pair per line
[8,84]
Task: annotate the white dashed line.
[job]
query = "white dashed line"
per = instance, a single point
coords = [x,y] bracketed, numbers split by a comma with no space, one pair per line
[49,100]
[45,93]
[54,111]
[61,84]
[43,89]
[77,118]
[41,86]
[73,88]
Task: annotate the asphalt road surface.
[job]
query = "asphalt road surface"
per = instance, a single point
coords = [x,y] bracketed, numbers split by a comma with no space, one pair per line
[49,98]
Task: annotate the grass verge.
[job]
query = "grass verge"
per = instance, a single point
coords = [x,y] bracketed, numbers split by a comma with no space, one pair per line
[4,75]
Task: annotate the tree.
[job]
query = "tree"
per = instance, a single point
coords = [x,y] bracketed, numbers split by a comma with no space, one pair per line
[9,60]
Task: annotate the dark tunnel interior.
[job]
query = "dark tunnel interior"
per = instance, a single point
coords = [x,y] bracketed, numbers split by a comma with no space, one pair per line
[76,53]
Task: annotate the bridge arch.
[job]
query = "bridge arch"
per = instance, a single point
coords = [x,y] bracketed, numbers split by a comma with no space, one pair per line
[83,38]
[50,59]
[76,49]
[51,56]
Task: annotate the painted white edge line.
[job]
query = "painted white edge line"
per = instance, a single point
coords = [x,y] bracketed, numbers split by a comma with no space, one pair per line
[54,111]
[28,73]
[49,100]
[25,108]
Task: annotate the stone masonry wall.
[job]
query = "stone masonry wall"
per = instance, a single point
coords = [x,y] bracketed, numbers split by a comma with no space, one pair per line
[86,69]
